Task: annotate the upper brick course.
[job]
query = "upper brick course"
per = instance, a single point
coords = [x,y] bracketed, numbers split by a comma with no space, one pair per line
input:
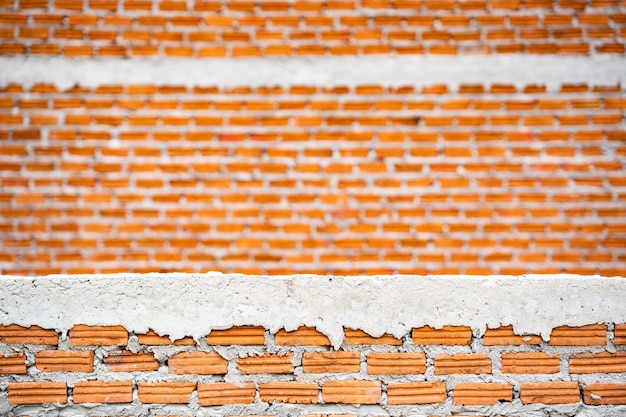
[218,29]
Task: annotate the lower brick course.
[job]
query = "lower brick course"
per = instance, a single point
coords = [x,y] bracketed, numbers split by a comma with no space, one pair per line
[252,369]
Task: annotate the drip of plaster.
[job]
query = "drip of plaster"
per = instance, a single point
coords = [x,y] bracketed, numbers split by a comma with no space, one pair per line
[392,70]
[181,305]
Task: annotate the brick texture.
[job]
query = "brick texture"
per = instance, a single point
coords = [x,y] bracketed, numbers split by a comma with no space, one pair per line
[314,373]
[103,392]
[241,29]
[364,179]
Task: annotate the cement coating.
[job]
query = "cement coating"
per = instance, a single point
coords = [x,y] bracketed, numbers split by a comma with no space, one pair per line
[182,305]
[389,70]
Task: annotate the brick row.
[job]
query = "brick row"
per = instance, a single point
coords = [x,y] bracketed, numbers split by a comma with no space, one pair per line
[344,391]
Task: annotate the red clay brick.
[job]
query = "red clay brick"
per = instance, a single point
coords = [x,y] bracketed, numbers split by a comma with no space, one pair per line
[103,392]
[201,363]
[64,361]
[222,393]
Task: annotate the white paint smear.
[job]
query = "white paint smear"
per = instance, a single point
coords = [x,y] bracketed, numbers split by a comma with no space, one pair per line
[181,305]
[389,70]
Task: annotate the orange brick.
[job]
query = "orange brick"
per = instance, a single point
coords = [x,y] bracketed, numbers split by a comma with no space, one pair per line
[462,363]
[13,364]
[103,392]
[226,393]
[37,392]
[530,363]
[303,336]
[83,335]
[416,393]
[482,393]
[396,363]
[126,361]
[620,334]
[550,392]
[605,362]
[243,335]
[289,392]
[165,392]
[351,392]
[320,362]
[201,363]
[504,335]
[266,364]
[153,339]
[64,361]
[590,335]
[359,337]
[14,334]
[447,335]
[599,394]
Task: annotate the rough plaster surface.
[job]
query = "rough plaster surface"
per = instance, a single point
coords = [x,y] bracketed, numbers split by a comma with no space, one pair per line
[427,70]
[192,304]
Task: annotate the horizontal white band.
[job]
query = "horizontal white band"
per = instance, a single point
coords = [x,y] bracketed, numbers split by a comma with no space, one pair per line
[192,304]
[388,70]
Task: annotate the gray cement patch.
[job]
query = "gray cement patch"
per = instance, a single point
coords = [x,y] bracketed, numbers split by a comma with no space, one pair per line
[181,305]
[389,70]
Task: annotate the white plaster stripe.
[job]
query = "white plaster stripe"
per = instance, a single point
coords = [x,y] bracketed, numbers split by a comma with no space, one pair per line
[390,70]
[192,304]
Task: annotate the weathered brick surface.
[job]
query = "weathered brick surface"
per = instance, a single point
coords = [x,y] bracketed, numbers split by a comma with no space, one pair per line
[530,363]
[416,393]
[14,334]
[165,392]
[482,393]
[505,336]
[103,392]
[266,364]
[351,392]
[226,393]
[13,364]
[243,335]
[303,336]
[598,394]
[594,334]
[550,392]
[359,337]
[470,363]
[289,392]
[151,338]
[396,363]
[64,361]
[320,362]
[448,335]
[82,335]
[202,363]
[126,361]
[37,392]
[605,362]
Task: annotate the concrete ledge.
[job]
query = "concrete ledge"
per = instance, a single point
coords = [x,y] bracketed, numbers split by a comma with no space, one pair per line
[192,305]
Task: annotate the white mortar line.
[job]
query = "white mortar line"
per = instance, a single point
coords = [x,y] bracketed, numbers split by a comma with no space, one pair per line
[389,70]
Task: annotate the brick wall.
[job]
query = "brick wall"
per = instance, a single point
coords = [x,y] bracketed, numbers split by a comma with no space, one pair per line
[248,369]
[324,137]
[479,172]
[217,29]
[473,179]
[242,345]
